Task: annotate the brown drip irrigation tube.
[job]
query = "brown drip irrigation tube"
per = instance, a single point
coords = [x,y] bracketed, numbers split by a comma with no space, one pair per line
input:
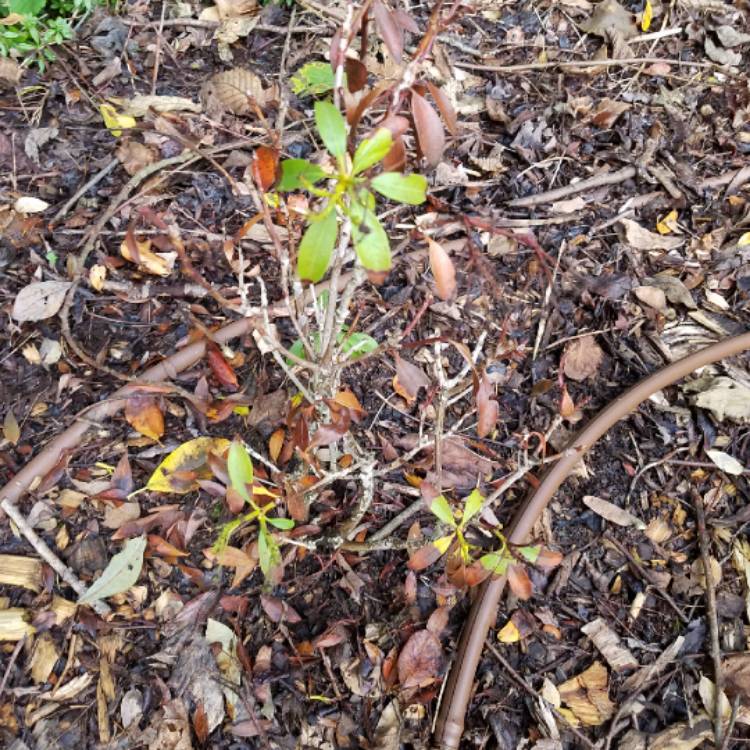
[460,681]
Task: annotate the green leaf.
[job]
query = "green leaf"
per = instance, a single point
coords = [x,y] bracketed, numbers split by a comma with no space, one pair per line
[355,346]
[530,553]
[442,509]
[496,564]
[316,247]
[331,127]
[269,555]
[372,150]
[281,523]
[121,573]
[358,344]
[313,78]
[472,505]
[294,171]
[240,468]
[409,189]
[25,7]
[370,240]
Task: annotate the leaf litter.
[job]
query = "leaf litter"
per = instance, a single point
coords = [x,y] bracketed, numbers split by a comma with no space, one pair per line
[294,656]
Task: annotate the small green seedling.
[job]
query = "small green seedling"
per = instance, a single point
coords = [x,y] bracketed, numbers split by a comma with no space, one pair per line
[240,469]
[313,78]
[455,541]
[349,195]
[461,566]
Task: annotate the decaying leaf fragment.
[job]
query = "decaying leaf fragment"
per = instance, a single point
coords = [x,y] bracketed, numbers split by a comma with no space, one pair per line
[641,239]
[582,358]
[612,513]
[15,624]
[723,397]
[586,697]
[682,736]
[609,645]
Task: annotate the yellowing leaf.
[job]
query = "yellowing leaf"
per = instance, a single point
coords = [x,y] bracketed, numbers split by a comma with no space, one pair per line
[744,240]
[668,223]
[648,14]
[509,633]
[115,121]
[443,543]
[181,469]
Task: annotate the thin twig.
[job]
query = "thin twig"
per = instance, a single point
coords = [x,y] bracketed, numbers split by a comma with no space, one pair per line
[41,548]
[95,180]
[11,662]
[582,64]
[712,614]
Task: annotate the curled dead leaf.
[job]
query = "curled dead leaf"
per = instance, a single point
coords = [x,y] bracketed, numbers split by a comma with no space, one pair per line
[582,358]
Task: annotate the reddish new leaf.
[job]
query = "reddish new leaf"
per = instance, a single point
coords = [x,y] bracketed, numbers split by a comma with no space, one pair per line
[221,369]
[144,415]
[445,107]
[265,160]
[488,410]
[410,588]
[420,661]
[443,270]
[519,581]
[429,129]
[389,29]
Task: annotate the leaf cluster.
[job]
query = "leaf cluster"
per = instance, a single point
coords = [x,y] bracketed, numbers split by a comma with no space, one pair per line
[348,192]
[31,27]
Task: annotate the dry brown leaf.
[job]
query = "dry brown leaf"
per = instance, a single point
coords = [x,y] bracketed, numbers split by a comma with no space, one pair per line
[586,695]
[134,156]
[443,270]
[610,16]
[606,113]
[144,415]
[658,530]
[429,129]
[609,645]
[10,72]
[158,264]
[682,736]
[707,692]
[582,358]
[612,513]
[420,661]
[410,377]
[641,239]
[651,296]
[234,90]
[39,300]
[488,409]
[390,31]
[43,658]
[11,430]
[519,582]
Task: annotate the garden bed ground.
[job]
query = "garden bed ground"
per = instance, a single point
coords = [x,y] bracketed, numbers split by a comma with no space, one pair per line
[646,266]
